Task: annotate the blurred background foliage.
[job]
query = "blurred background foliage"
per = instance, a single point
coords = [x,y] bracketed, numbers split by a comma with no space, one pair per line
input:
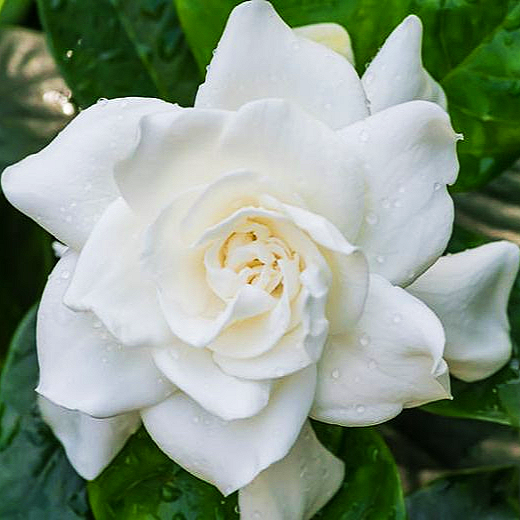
[450,460]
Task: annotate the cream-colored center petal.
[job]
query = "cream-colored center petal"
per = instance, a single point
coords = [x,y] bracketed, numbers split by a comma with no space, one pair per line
[252,254]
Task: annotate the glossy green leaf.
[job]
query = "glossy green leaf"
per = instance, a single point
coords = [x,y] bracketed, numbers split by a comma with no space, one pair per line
[34,106]
[142,483]
[476,495]
[120,49]
[371,489]
[13,11]
[36,480]
[472,48]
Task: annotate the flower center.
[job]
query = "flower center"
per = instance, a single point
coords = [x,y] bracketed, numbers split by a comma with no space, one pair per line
[253,255]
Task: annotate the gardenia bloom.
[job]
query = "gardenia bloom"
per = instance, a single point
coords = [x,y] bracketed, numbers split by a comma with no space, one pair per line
[270,254]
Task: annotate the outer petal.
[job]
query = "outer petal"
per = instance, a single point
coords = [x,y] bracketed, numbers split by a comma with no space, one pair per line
[90,443]
[67,185]
[396,75]
[194,371]
[82,367]
[331,35]
[272,138]
[296,487]
[230,454]
[271,61]
[410,156]
[390,361]
[469,293]
[109,281]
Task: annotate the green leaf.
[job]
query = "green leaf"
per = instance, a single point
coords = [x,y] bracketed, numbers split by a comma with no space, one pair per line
[371,489]
[36,480]
[472,48]
[13,11]
[142,483]
[477,495]
[33,107]
[116,49]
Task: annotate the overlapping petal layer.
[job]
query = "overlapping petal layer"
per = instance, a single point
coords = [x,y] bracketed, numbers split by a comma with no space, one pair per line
[82,366]
[391,360]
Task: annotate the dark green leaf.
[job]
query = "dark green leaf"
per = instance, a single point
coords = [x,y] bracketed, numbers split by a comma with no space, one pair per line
[13,11]
[142,483]
[472,48]
[120,49]
[371,489]
[476,495]
[36,480]
[33,107]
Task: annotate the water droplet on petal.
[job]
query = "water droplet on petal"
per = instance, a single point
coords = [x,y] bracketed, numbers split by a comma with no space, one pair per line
[363,136]
[335,374]
[364,340]
[360,408]
[385,203]
[380,259]
[102,101]
[396,318]
[437,186]
[397,203]
[371,219]
[196,419]
[372,364]
[65,275]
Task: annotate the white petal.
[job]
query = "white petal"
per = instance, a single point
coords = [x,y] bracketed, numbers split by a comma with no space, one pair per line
[390,361]
[230,454]
[296,487]
[331,35]
[347,263]
[410,157]
[396,75]
[271,61]
[67,185]
[82,366]
[91,444]
[297,349]
[272,138]
[469,292]
[194,371]
[108,281]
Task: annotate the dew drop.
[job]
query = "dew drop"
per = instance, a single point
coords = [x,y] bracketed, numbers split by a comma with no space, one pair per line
[380,259]
[335,374]
[65,275]
[371,219]
[369,78]
[396,318]
[196,419]
[401,189]
[397,203]
[437,186]
[372,364]
[102,101]
[327,106]
[363,136]
[385,203]
[360,408]
[364,340]
[69,54]
[68,218]
[257,515]
[237,510]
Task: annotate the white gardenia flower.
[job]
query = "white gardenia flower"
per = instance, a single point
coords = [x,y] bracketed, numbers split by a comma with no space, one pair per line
[270,254]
